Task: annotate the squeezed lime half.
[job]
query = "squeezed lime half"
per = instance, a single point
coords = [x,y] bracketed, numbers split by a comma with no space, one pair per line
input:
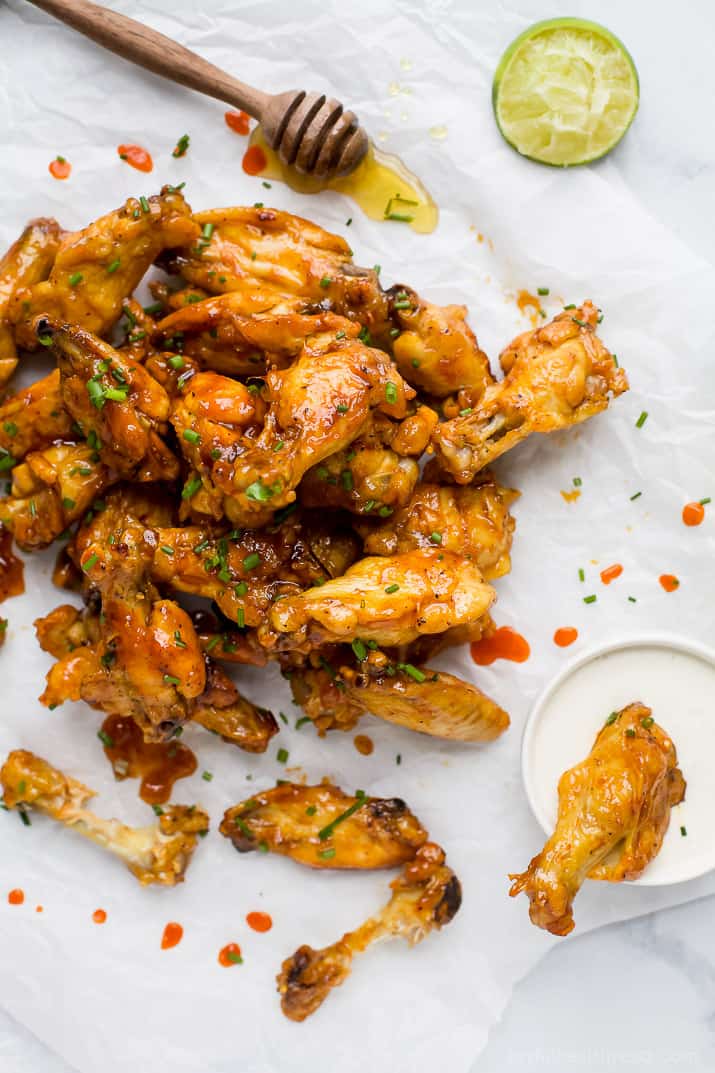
[565,92]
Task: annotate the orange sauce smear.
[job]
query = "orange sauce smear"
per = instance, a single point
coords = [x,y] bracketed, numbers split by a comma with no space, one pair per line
[254,160]
[259,921]
[363,744]
[530,305]
[136,157]
[157,764]
[99,916]
[16,897]
[571,497]
[12,582]
[173,934]
[565,636]
[611,573]
[39,908]
[669,582]
[230,955]
[505,643]
[239,122]
[693,513]
[59,168]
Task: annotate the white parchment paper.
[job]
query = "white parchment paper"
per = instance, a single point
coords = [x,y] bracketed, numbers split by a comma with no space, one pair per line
[108,998]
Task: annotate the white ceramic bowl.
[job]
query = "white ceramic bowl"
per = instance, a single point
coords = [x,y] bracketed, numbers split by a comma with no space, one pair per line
[673,676]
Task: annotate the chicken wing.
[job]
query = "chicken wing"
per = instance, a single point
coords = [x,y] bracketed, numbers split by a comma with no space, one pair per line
[325,828]
[425,896]
[160,853]
[436,349]
[97,268]
[27,262]
[474,521]
[614,811]
[34,418]
[558,376]
[388,600]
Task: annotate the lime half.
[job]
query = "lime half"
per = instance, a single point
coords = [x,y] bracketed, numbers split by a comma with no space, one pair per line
[565,92]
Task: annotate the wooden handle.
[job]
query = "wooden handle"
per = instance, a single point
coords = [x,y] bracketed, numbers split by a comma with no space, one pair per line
[155,52]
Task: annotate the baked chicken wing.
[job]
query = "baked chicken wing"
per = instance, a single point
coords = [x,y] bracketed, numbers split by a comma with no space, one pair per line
[557,376]
[159,853]
[425,896]
[34,418]
[27,262]
[614,811]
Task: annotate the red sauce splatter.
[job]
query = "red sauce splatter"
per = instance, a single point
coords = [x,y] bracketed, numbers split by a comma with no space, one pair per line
[136,157]
[363,744]
[693,513]
[173,934]
[16,897]
[39,909]
[12,582]
[230,955]
[157,764]
[99,916]
[611,573]
[565,636]
[669,582]
[238,121]
[59,168]
[254,160]
[259,921]
[505,643]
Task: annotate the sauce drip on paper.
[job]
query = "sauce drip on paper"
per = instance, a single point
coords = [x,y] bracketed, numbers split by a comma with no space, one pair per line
[259,921]
[380,185]
[99,916]
[230,955]
[363,744]
[505,643]
[669,582]
[157,764]
[611,573]
[59,168]
[16,897]
[693,513]
[565,636]
[136,156]
[173,934]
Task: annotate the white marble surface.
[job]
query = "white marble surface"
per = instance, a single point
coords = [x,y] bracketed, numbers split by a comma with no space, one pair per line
[638,995]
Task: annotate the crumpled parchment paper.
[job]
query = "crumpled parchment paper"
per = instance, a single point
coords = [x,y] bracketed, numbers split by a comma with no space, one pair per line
[108,997]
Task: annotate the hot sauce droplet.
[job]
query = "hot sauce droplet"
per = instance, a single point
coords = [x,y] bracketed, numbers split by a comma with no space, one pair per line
[39,908]
[572,496]
[99,916]
[254,160]
[230,955]
[157,764]
[136,157]
[529,303]
[693,513]
[363,744]
[238,121]
[16,897]
[669,582]
[565,636]
[59,168]
[611,573]
[173,934]
[259,921]
[505,643]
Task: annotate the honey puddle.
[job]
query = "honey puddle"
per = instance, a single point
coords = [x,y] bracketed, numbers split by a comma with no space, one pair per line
[381,185]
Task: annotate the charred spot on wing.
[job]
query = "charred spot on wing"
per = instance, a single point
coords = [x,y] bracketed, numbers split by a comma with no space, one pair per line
[384,808]
[448,905]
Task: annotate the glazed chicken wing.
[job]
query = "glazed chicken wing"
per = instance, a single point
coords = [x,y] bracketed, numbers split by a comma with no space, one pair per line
[27,262]
[558,376]
[159,853]
[97,268]
[474,521]
[34,418]
[614,811]
[389,600]
[324,828]
[425,896]
[436,349]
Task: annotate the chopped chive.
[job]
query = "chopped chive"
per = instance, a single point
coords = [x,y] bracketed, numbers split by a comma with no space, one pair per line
[385,512]
[303,719]
[155,307]
[435,538]
[704,502]
[360,649]
[326,854]
[392,588]
[25,818]
[571,305]
[181,146]
[113,266]
[412,671]
[75,278]
[642,419]
[116,394]
[243,827]
[581,574]
[612,718]
[577,482]
[87,566]
[647,723]
[326,832]
[683,832]
[176,362]
[158,810]
[282,756]
[190,436]
[144,204]
[341,408]
[590,599]
[364,336]
[207,232]
[11,429]
[166,549]
[465,411]
[346,478]
[191,488]
[391,392]
[240,618]
[543,291]
[632,600]
[212,643]
[170,680]
[206,776]
[325,281]
[251,561]
[105,739]
[241,589]
[581,323]
[636,495]
[260,492]
[311,810]
[630,732]
[67,503]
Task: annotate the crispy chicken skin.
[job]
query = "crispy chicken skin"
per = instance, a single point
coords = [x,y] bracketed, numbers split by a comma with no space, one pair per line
[437,591]
[474,521]
[436,349]
[325,828]
[260,252]
[34,418]
[425,896]
[557,376]
[96,268]
[27,262]
[159,853]
[614,811]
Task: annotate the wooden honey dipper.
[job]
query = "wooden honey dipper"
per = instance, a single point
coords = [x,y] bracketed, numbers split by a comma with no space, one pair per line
[309,131]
